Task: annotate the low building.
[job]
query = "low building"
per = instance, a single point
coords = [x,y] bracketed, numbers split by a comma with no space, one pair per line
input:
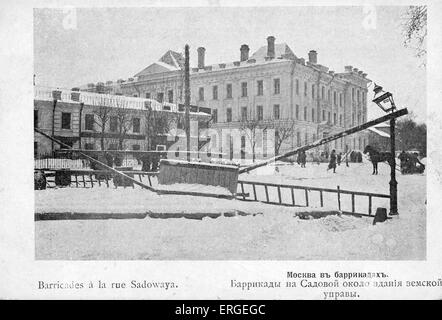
[93,121]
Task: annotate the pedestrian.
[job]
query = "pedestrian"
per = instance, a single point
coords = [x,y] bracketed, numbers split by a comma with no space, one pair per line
[303,159]
[332,163]
[338,158]
[403,157]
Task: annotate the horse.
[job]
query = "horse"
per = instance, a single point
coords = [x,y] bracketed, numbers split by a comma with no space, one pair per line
[376,157]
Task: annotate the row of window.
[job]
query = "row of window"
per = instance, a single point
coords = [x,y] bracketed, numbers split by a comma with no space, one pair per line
[244,90]
[66,122]
[160,96]
[91,146]
[326,116]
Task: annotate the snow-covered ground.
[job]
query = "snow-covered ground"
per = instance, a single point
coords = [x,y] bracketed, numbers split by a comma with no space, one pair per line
[269,232]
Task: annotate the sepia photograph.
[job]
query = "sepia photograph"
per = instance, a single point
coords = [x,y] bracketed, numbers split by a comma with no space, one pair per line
[230,133]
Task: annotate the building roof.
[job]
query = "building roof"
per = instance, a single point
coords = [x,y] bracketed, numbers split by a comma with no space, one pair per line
[281,50]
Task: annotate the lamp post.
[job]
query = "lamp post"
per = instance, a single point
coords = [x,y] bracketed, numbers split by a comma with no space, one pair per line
[385,101]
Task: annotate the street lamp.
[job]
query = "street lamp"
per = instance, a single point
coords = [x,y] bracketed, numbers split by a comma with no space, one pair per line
[385,101]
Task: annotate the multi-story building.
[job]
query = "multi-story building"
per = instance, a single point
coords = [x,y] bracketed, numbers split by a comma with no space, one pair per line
[273,86]
[85,120]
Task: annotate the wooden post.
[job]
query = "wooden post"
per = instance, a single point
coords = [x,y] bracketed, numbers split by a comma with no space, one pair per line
[293,196]
[369,204]
[339,198]
[187,98]
[92,182]
[254,192]
[279,194]
[267,193]
[242,190]
[76,180]
[84,181]
[306,197]
[322,200]
[352,202]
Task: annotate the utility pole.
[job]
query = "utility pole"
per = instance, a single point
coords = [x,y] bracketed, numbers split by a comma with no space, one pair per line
[393,182]
[187,99]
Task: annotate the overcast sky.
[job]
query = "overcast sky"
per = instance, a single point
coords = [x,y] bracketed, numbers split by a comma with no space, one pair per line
[99,44]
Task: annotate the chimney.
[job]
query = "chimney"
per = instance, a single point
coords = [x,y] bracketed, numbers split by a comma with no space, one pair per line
[201,53]
[244,52]
[313,56]
[271,46]
[348,68]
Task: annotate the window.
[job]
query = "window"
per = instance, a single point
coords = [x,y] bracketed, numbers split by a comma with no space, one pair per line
[136,125]
[201,94]
[170,96]
[229,115]
[298,139]
[297,112]
[215,115]
[305,88]
[363,97]
[353,119]
[340,120]
[215,92]
[313,115]
[160,96]
[276,114]
[335,119]
[323,93]
[260,87]
[135,95]
[243,89]
[323,115]
[314,137]
[340,100]
[113,124]
[89,122]
[260,112]
[276,86]
[65,120]
[35,149]
[297,87]
[353,94]
[243,113]
[359,96]
[328,95]
[305,113]
[229,91]
[329,116]
[35,118]
[147,95]
[306,138]
[135,147]
[359,118]
[313,91]
[89,146]
[335,99]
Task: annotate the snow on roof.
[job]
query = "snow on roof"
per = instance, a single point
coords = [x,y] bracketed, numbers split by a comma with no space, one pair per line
[281,49]
[379,132]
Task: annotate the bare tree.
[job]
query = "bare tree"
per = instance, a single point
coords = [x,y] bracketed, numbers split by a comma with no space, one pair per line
[101,118]
[284,130]
[250,127]
[157,123]
[415,30]
[124,121]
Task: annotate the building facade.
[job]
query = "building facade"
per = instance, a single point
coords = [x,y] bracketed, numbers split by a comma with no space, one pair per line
[94,121]
[273,87]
